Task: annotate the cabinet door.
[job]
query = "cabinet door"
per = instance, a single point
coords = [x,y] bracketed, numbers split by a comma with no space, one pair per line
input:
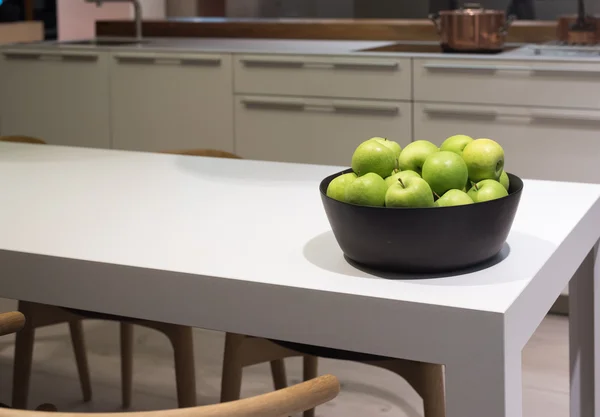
[549,144]
[168,101]
[522,83]
[315,131]
[56,95]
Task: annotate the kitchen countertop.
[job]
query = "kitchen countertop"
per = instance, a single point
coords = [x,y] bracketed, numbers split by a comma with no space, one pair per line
[292,47]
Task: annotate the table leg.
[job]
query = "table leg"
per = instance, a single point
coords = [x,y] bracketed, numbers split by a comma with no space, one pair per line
[485,385]
[583,334]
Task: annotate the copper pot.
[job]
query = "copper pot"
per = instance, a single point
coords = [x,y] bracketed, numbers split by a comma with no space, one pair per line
[565,32]
[472,28]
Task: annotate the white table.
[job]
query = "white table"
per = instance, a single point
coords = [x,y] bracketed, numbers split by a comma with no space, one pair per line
[245,247]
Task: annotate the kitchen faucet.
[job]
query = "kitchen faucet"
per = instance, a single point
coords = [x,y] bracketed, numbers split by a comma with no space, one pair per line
[137,9]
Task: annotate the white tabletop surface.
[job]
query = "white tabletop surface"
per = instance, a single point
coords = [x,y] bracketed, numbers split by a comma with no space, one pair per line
[257,225]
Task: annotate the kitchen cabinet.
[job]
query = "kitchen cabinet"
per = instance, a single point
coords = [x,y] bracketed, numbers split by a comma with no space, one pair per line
[56,95]
[507,82]
[322,76]
[171,101]
[315,131]
[539,143]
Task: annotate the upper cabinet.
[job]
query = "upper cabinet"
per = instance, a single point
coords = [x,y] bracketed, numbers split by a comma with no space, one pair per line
[518,82]
[56,95]
[171,101]
[322,76]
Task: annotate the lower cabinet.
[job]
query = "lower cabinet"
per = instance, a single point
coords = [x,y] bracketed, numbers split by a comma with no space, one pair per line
[314,131]
[171,101]
[539,143]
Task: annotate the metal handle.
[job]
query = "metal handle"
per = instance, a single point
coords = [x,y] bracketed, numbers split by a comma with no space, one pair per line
[561,117]
[435,18]
[274,103]
[493,68]
[168,59]
[452,111]
[267,62]
[52,55]
[388,110]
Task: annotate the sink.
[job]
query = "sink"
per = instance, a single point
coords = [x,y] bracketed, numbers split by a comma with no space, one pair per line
[105,42]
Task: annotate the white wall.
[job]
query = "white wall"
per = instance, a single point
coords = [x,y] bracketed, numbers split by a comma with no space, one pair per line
[77,18]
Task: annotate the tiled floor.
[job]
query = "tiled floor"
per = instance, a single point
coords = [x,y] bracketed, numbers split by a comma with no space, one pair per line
[366,391]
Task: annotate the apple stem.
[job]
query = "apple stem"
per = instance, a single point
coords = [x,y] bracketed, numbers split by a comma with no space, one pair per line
[475,185]
[436,194]
[401,183]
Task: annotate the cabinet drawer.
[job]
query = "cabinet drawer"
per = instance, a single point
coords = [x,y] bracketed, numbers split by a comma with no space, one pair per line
[323,76]
[549,144]
[552,84]
[315,131]
[167,101]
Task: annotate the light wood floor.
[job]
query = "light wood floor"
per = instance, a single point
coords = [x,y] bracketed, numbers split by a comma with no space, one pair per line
[366,391]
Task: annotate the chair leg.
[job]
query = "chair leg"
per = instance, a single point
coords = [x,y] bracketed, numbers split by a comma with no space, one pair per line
[231,382]
[22,365]
[126,330]
[432,390]
[182,340]
[278,372]
[78,342]
[310,371]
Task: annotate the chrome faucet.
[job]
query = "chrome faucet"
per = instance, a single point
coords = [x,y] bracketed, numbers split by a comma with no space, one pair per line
[137,10]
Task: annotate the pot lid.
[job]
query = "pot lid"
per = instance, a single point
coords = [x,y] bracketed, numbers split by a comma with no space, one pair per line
[471,9]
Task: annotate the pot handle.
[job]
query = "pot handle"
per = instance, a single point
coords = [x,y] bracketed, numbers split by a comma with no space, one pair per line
[503,31]
[435,18]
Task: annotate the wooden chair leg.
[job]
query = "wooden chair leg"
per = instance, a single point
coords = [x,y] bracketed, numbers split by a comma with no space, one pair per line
[278,372]
[182,340]
[126,330]
[78,342]
[310,371]
[22,364]
[231,382]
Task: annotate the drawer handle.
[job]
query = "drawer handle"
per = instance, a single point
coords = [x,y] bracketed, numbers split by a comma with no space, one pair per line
[276,104]
[295,63]
[389,110]
[168,59]
[560,117]
[494,68]
[449,111]
[51,55]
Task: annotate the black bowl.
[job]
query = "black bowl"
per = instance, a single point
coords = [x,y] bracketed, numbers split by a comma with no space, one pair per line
[422,240]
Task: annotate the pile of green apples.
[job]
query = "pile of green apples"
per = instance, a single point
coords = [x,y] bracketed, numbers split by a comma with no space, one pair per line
[461,171]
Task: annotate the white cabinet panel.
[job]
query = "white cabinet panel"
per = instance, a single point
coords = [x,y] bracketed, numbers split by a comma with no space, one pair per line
[171,101]
[316,131]
[551,144]
[356,77]
[56,95]
[524,83]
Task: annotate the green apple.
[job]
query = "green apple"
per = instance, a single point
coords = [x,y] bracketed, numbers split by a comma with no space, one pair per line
[445,170]
[394,146]
[368,190]
[403,175]
[504,180]
[487,190]
[337,187]
[413,156]
[485,159]
[414,192]
[454,198]
[456,143]
[373,156]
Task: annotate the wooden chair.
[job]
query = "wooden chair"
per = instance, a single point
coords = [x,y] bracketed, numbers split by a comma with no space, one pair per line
[280,403]
[22,139]
[40,315]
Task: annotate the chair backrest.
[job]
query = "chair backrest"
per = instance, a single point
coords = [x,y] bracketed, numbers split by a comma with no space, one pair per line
[22,139]
[205,152]
[282,403]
